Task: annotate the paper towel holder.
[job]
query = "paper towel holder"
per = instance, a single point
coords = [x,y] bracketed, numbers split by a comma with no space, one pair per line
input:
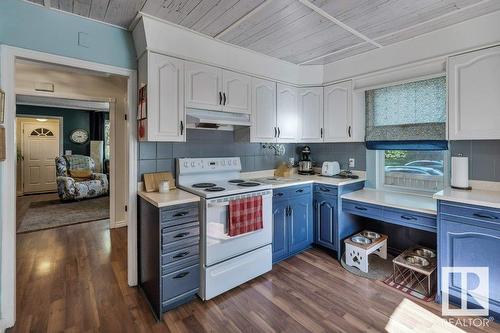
[468,188]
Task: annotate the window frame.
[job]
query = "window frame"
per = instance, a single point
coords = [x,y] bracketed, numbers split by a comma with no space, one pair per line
[380,176]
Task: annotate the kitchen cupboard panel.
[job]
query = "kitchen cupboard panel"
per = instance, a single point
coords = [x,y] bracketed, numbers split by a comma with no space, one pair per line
[286,113]
[236,90]
[263,127]
[338,114]
[203,87]
[311,114]
[473,93]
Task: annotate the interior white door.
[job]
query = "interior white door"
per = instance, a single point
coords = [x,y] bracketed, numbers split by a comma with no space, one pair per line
[203,87]
[337,113]
[263,127]
[311,114]
[236,90]
[474,98]
[286,113]
[166,101]
[40,148]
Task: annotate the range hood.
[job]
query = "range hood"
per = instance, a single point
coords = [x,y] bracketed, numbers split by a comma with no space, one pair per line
[215,119]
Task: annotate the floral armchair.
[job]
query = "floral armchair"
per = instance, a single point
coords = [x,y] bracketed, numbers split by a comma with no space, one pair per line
[70,188]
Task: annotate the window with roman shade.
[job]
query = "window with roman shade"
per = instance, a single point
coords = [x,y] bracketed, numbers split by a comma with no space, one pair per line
[410,116]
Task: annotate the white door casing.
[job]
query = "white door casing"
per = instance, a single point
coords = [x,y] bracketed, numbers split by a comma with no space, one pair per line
[263,127]
[203,87]
[473,95]
[337,113]
[286,113]
[40,148]
[311,114]
[236,89]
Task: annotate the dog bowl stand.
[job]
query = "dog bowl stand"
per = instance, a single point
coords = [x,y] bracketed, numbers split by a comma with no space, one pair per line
[356,255]
[424,277]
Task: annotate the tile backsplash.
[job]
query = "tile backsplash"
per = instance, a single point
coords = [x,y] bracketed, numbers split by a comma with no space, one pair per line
[484,158]
[160,156]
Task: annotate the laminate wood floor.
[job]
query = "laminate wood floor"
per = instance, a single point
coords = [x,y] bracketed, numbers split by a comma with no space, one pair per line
[74,279]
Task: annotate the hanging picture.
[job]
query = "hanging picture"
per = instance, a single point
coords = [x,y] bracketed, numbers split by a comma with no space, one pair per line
[2,106]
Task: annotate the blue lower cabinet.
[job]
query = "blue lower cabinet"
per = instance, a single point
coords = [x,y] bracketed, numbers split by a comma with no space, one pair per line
[280,237]
[325,219]
[470,242]
[292,222]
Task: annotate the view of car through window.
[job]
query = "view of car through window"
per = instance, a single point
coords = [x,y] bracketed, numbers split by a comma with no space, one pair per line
[421,170]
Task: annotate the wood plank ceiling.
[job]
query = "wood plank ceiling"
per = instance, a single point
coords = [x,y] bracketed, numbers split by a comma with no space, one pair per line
[298,31]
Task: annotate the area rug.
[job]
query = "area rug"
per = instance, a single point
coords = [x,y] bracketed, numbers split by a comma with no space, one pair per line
[54,213]
[378,268]
[409,287]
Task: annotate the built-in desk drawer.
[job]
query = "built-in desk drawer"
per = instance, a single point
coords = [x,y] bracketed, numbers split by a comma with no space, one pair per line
[476,213]
[326,189]
[179,282]
[403,217]
[179,215]
[361,209]
[174,256]
[171,235]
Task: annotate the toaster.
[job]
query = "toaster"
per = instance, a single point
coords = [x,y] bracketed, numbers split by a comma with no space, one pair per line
[330,168]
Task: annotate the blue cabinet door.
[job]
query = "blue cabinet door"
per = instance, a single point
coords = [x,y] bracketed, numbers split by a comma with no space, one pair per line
[300,224]
[325,219]
[280,236]
[463,244]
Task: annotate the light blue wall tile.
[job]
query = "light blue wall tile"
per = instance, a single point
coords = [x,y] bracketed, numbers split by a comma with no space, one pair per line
[146,166]
[163,150]
[166,165]
[147,150]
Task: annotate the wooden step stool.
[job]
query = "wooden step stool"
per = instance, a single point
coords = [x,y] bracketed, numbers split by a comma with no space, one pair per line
[356,254]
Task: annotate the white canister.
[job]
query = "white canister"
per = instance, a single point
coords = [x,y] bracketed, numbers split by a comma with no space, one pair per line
[164,186]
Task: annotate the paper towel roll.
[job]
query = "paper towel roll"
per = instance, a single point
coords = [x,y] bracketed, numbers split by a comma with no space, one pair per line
[460,171]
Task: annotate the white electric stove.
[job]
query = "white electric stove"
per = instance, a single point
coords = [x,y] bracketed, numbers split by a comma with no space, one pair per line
[226,262]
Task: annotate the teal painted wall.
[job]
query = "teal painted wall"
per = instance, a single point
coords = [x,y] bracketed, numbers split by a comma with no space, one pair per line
[37,28]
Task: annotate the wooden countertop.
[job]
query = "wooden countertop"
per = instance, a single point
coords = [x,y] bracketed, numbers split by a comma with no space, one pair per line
[171,198]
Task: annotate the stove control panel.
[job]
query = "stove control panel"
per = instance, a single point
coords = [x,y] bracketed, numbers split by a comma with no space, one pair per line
[207,165]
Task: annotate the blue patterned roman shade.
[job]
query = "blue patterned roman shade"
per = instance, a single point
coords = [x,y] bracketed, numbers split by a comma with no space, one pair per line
[407,116]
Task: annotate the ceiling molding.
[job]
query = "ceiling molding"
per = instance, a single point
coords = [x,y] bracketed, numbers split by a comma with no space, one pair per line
[333,53]
[243,18]
[339,23]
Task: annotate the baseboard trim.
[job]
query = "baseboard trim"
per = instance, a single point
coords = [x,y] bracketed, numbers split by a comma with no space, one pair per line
[118,224]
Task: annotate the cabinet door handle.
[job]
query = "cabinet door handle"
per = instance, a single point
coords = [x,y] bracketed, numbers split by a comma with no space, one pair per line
[180,214]
[224,103]
[321,132]
[300,190]
[181,275]
[182,234]
[360,208]
[323,189]
[275,132]
[485,216]
[279,132]
[182,127]
[349,131]
[220,98]
[279,194]
[408,217]
[182,254]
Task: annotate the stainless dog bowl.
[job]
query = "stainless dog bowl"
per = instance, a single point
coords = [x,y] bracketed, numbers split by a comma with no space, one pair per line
[417,261]
[426,253]
[361,240]
[370,234]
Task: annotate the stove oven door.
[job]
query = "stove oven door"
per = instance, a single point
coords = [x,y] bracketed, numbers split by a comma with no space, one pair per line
[217,245]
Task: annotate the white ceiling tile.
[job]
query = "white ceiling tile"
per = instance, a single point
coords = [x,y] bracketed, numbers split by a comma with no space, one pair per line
[98,9]
[122,12]
[82,7]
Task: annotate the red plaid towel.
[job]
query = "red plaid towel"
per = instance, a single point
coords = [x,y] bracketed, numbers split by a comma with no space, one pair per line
[245,215]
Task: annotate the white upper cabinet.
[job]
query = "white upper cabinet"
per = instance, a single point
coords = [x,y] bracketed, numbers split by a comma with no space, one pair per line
[165,97]
[474,95]
[310,109]
[338,113]
[263,127]
[203,87]
[236,92]
[286,113]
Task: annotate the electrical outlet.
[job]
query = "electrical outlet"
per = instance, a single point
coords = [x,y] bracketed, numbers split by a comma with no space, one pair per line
[352,162]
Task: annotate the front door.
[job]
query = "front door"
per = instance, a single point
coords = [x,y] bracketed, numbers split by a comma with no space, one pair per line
[40,148]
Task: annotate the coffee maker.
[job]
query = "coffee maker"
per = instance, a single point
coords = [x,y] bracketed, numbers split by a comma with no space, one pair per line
[305,163]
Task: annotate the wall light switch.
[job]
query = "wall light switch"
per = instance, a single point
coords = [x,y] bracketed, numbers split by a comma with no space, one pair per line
[352,163]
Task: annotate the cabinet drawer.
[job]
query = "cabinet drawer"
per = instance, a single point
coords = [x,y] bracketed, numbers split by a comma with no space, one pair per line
[184,243]
[326,189]
[405,218]
[174,235]
[179,282]
[287,192]
[179,265]
[361,209]
[179,215]
[179,254]
[479,214]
